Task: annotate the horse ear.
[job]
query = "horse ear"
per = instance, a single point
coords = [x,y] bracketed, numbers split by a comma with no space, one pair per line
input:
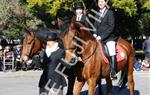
[60,21]
[27,31]
[32,34]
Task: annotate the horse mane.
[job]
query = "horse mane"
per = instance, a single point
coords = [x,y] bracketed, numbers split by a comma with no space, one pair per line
[65,27]
[42,33]
[86,35]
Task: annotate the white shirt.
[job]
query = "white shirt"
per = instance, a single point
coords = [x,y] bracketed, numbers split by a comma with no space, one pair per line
[102,11]
[49,50]
[78,18]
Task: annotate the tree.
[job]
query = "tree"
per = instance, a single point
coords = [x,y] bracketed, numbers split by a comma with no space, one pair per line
[129,13]
[146,4]
[127,7]
[14,16]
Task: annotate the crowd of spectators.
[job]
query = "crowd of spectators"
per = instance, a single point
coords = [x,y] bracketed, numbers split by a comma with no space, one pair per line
[13,54]
[144,65]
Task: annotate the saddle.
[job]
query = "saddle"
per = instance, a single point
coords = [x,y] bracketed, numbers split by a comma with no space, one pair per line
[120,56]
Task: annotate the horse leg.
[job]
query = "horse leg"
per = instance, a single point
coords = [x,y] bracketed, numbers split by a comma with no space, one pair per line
[100,91]
[78,87]
[109,85]
[92,86]
[131,81]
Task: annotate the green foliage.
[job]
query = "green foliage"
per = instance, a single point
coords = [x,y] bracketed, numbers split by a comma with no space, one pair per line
[51,6]
[147,4]
[14,16]
[144,23]
[129,6]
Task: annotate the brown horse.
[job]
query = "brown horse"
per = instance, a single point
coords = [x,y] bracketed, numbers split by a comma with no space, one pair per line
[93,67]
[31,45]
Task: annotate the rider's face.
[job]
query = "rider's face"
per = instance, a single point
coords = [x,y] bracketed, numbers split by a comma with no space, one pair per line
[79,11]
[51,43]
[101,4]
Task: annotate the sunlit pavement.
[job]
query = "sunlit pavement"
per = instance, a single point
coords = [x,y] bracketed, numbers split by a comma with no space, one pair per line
[26,83]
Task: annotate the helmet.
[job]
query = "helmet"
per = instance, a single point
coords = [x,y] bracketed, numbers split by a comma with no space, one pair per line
[52,36]
[77,5]
[18,46]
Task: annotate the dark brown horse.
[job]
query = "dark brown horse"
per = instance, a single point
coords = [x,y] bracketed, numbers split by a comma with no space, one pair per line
[93,67]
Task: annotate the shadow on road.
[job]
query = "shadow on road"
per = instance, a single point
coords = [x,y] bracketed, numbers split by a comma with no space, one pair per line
[124,91]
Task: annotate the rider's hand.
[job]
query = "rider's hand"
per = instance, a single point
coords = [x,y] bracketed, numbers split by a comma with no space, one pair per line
[98,38]
[79,58]
[95,35]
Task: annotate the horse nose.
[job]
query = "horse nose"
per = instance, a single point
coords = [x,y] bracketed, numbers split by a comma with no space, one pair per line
[73,60]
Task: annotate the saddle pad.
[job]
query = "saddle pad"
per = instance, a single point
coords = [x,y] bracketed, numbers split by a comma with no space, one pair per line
[119,53]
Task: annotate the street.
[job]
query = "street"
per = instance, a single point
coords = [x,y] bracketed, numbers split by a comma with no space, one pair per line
[26,83]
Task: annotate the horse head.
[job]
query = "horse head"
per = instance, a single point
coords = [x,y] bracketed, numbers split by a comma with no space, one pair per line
[31,45]
[75,39]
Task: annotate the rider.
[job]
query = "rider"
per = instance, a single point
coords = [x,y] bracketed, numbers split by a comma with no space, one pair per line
[105,33]
[80,13]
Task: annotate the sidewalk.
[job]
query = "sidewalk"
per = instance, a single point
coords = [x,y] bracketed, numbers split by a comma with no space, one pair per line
[30,73]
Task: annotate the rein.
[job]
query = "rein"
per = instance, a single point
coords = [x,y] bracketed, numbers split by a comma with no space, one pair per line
[92,53]
[33,43]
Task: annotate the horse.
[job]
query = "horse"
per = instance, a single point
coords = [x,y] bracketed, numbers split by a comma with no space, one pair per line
[31,45]
[92,66]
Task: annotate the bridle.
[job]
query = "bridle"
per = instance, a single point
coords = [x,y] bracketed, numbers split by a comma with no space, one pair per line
[32,45]
[92,53]
[30,55]
[76,48]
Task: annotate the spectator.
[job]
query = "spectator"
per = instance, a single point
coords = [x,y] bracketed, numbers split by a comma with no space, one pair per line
[1,57]
[8,53]
[17,54]
[1,53]
[138,65]
[146,48]
[146,64]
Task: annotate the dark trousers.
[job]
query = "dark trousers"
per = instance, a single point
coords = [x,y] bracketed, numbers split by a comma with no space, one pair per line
[43,91]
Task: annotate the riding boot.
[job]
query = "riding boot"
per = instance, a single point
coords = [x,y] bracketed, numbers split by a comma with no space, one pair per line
[113,67]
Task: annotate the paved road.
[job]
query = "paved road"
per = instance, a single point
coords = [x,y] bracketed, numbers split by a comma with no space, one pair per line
[26,83]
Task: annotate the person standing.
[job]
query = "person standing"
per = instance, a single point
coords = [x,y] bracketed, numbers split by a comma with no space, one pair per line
[146,48]
[105,33]
[17,55]
[51,57]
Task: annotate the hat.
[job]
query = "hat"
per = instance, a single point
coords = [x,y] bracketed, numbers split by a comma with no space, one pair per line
[52,37]
[18,46]
[7,47]
[78,5]
[61,14]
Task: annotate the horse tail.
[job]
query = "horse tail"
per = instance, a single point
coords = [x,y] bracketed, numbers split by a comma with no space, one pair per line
[123,80]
